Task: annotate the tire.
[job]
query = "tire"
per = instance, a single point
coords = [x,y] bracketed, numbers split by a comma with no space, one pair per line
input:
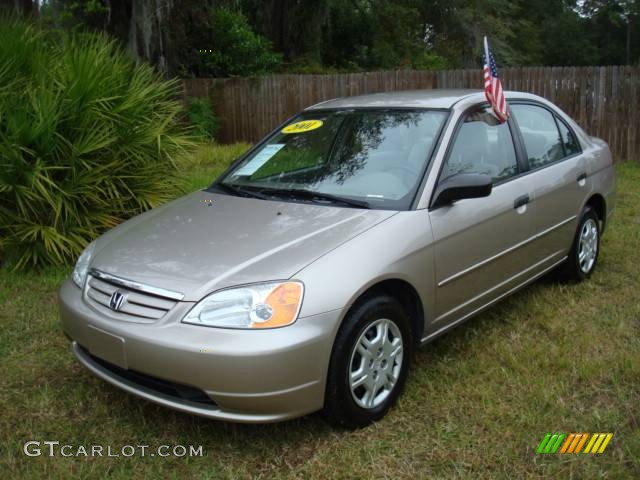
[375,365]
[583,255]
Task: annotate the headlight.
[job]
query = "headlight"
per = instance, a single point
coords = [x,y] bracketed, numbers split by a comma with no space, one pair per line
[264,305]
[82,265]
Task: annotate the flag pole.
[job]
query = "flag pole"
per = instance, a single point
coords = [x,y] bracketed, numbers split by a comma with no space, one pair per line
[486,51]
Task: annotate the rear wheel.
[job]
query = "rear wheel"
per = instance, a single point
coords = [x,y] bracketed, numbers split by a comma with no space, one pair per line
[369,363]
[583,256]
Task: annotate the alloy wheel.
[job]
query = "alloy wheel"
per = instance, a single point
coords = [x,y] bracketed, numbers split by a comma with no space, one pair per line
[588,245]
[376,362]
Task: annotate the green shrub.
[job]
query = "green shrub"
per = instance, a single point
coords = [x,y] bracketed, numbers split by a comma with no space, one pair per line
[233,48]
[87,139]
[204,121]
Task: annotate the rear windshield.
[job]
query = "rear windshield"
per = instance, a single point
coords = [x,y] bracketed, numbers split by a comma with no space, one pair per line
[377,157]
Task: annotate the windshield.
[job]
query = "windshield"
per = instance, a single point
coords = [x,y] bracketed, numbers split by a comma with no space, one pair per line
[361,158]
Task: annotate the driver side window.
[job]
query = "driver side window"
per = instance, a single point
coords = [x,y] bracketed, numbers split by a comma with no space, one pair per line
[482,146]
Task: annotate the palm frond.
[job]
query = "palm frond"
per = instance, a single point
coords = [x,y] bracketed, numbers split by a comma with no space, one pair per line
[87,139]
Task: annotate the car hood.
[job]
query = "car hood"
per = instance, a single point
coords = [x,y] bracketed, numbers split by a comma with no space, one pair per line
[204,241]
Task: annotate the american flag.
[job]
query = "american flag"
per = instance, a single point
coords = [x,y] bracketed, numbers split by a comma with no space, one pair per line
[492,85]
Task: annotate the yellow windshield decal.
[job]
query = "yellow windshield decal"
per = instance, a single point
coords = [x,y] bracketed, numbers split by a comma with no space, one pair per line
[304,126]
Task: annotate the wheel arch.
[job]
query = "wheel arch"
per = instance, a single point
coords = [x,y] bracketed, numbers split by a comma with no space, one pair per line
[599,205]
[406,294]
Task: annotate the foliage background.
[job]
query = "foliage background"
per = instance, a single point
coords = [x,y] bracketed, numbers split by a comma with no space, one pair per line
[252,37]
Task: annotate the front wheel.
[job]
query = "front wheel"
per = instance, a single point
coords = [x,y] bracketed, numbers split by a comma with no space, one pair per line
[369,363]
[583,256]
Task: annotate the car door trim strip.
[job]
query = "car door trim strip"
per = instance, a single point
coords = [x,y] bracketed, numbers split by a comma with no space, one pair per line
[484,262]
[445,328]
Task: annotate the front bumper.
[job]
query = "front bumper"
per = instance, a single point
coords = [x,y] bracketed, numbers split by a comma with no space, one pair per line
[250,376]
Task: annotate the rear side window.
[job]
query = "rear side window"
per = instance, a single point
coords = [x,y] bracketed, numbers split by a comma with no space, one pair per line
[540,134]
[569,140]
[482,146]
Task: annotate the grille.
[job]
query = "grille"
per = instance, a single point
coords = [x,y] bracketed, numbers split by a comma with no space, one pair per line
[157,385]
[137,306]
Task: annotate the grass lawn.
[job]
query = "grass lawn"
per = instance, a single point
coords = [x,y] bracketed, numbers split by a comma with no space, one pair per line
[552,358]
[206,163]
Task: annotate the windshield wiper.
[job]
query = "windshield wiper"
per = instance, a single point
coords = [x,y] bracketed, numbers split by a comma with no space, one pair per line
[311,195]
[238,191]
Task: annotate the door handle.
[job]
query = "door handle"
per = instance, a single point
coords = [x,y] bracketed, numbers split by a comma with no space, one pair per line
[582,177]
[521,201]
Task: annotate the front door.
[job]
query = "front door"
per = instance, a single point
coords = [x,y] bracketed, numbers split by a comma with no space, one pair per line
[482,247]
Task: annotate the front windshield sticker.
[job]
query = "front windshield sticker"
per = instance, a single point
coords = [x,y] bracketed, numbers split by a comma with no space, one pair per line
[260,159]
[304,126]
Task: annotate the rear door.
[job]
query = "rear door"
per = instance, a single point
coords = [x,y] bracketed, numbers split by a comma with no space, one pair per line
[557,178]
[481,244]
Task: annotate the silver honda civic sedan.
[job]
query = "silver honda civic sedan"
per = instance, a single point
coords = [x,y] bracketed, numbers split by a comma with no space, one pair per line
[306,275]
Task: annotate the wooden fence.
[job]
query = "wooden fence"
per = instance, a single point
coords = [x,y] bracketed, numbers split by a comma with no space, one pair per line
[604,100]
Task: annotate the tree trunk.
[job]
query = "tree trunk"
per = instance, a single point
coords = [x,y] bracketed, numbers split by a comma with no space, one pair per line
[141,25]
[22,7]
[628,40]
[146,33]
[294,28]
[26,7]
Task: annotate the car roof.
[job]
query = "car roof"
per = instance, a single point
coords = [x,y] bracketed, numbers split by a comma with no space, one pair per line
[434,98]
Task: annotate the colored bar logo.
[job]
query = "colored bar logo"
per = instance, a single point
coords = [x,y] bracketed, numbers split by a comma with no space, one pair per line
[574,443]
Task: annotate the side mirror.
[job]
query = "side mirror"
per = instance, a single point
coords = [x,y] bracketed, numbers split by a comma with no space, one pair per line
[462,185]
